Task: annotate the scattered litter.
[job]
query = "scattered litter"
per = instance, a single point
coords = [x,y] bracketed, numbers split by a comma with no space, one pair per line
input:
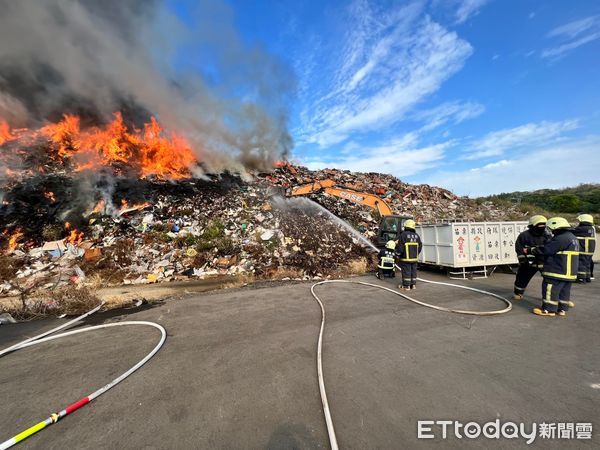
[6,318]
[267,235]
[221,225]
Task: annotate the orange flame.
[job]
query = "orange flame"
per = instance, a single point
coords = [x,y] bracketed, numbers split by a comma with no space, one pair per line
[151,151]
[64,134]
[125,207]
[13,239]
[50,196]
[99,206]
[75,237]
[5,134]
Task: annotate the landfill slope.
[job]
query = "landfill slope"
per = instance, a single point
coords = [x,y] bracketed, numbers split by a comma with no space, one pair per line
[205,228]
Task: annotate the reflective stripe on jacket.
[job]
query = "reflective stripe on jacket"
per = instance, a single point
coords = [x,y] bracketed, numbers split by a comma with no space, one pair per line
[561,256]
[409,246]
[586,235]
[387,259]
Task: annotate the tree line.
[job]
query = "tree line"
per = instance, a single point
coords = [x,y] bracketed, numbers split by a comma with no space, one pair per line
[584,198]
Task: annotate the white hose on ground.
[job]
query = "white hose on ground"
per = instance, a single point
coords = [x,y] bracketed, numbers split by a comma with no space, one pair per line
[326,409]
[53,330]
[49,336]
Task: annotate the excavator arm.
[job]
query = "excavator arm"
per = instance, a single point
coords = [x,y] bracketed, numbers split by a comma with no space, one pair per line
[309,188]
[329,186]
[362,198]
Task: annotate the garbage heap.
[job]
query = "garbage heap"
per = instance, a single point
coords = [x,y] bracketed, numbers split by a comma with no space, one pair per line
[425,203]
[199,228]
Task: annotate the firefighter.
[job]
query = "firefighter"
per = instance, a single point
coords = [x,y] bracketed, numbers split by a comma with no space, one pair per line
[387,261]
[536,235]
[408,248]
[586,235]
[561,261]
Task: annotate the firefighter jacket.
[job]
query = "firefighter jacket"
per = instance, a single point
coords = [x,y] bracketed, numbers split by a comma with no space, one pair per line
[561,256]
[387,259]
[586,235]
[528,238]
[409,246]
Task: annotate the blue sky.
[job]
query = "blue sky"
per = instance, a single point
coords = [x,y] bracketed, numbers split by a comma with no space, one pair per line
[479,96]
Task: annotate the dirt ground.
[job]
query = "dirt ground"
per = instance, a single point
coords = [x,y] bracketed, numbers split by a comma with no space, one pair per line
[238,370]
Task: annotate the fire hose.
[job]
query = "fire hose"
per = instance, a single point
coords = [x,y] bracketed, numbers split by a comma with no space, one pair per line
[325,403]
[49,336]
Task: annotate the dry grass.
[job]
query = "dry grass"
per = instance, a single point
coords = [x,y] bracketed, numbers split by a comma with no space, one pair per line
[103,272]
[240,281]
[71,301]
[281,272]
[356,267]
[9,267]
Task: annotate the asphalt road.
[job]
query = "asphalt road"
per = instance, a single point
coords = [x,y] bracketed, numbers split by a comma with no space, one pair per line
[238,371]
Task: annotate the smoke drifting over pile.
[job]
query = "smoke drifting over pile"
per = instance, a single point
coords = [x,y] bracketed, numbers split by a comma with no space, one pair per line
[93,58]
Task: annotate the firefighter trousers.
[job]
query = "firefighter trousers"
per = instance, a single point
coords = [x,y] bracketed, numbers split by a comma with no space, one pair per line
[584,273]
[524,275]
[409,273]
[556,295]
[386,272]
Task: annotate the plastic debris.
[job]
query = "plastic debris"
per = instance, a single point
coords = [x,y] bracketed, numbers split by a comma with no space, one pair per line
[220,225]
[6,318]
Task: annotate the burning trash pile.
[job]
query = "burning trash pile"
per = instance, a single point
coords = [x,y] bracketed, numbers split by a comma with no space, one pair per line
[101,206]
[91,207]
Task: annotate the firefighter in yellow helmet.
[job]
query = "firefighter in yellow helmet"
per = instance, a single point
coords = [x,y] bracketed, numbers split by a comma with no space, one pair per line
[536,235]
[387,261]
[586,235]
[561,261]
[408,248]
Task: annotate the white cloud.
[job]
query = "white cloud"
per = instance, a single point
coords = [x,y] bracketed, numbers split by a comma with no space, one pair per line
[561,50]
[468,8]
[531,135]
[553,166]
[399,157]
[391,61]
[494,165]
[573,35]
[575,28]
[452,112]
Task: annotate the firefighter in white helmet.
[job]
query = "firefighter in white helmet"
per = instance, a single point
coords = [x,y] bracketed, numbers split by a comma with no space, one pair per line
[408,248]
[586,235]
[561,262]
[387,261]
[536,235]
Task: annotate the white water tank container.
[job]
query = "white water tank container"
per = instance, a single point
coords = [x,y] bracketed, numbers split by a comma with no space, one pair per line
[470,244]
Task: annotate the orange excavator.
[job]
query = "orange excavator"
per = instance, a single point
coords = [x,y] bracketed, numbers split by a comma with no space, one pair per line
[390,225]
[330,187]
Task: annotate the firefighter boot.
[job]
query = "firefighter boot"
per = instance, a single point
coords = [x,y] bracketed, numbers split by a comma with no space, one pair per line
[542,312]
[517,297]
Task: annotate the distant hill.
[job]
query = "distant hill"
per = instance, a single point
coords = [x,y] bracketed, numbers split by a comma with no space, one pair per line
[584,198]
